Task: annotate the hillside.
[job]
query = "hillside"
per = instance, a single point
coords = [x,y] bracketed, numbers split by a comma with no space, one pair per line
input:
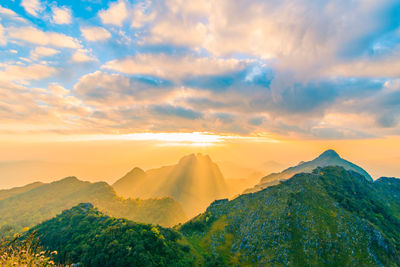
[5,193]
[85,235]
[194,182]
[331,217]
[327,158]
[43,202]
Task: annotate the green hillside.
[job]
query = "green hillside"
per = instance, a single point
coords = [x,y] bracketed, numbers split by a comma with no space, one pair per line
[44,202]
[86,236]
[331,217]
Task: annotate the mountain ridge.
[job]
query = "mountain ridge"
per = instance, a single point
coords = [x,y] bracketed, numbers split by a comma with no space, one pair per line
[331,216]
[328,158]
[43,202]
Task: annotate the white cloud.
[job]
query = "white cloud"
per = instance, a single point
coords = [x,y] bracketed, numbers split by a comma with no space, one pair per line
[174,67]
[115,14]
[6,11]
[11,14]
[142,15]
[43,51]
[23,74]
[3,40]
[302,36]
[82,56]
[35,36]
[95,33]
[58,89]
[33,7]
[367,68]
[62,15]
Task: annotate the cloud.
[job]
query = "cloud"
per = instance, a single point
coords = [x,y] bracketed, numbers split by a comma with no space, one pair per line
[3,40]
[303,69]
[8,13]
[94,34]
[26,73]
[305,36]
[33,7]
[81,56]
[256,121]
[116,90]
[32,35]
[115,14]
[176,111]
[58,89]
[174,67]
[142,14]
[224,117]
[61,15]
[42,51]
[388,67]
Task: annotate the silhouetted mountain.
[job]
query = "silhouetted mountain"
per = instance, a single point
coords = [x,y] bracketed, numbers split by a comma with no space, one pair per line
[5,193]
[86,236]
[127,185]
[328,158]
[331,217]
[45,201]
[194,182]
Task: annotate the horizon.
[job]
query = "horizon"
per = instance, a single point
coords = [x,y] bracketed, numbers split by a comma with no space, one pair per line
[96,170]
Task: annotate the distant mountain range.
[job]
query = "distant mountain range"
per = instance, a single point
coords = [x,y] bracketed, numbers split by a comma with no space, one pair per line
[327,158]
[27,206]
[194,182]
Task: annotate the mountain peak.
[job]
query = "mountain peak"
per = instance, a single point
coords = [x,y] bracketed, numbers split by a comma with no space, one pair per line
[136,171]
[330,153]
[194,157]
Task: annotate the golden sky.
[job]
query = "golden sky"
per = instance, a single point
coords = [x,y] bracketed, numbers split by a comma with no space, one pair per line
[109,158]
[93,88]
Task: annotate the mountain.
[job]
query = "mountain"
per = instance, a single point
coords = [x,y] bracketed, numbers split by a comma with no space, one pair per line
[130,182]
[84,235]
[5,193]
[327,158]
[330,217]
[45,201]
[194,182]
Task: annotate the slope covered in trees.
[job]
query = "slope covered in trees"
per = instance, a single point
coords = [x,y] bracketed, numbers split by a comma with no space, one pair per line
[331,217]
[85,235]
[44,202]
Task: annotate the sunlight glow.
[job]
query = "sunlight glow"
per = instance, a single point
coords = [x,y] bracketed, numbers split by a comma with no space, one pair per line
[182,139]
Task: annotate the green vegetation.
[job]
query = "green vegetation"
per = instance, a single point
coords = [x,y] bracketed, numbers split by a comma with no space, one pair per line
[31,207]
[25,252]
[331,217]
[85,235]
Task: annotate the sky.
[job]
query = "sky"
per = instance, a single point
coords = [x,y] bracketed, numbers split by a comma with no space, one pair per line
[196,73]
